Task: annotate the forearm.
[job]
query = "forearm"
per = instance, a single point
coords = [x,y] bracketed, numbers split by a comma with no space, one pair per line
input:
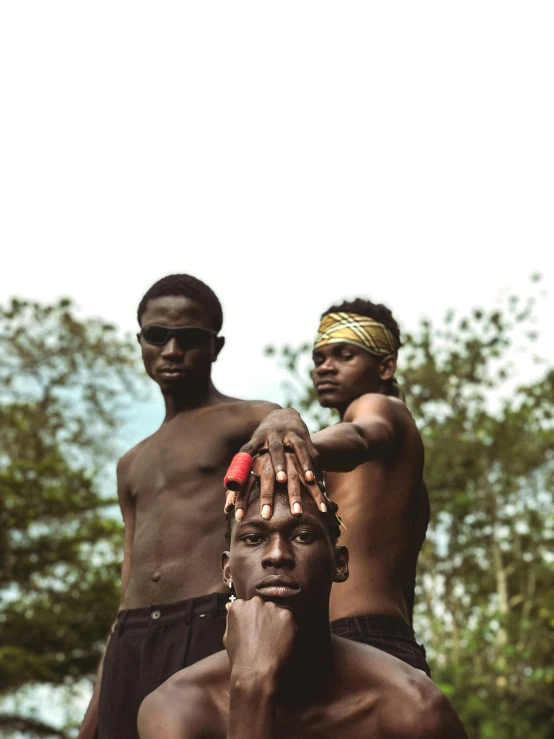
[341,447]
[251,707]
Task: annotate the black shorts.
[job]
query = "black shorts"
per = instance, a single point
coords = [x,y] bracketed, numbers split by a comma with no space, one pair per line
[388,633]
[149,645]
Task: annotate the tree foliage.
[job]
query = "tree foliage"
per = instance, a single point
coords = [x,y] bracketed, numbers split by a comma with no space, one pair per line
[485,600]
[65,384]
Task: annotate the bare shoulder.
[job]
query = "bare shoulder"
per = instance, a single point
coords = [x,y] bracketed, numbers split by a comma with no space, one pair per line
[402,701]
[249,413]
[418,709]
[190,704]
[128,458]
[375,404]
[257,409]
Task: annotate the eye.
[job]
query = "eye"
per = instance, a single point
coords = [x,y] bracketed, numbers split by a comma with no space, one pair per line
[252,539]
[304,537]
[345,354]
[317,359]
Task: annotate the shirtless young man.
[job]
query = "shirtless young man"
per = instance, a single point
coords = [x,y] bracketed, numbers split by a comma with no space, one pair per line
[283,674]
[171,496]
[373,462]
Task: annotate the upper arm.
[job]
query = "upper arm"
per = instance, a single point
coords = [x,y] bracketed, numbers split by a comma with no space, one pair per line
[376,420]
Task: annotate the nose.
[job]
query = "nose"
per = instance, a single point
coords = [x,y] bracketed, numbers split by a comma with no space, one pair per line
[326,367]
[172,349]
[278,553]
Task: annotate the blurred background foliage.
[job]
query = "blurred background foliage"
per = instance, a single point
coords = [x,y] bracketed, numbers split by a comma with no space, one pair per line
[485,601]
[65,384]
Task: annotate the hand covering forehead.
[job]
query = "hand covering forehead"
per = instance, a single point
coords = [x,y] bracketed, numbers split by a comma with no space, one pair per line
[351,328]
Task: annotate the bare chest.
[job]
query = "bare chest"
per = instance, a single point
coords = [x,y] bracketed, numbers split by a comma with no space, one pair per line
[182,458]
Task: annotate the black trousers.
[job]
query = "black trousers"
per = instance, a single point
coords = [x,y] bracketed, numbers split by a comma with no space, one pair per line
[388,633]
[147,647]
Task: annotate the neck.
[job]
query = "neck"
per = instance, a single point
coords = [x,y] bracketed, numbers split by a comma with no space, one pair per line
[305,676]
[187,398]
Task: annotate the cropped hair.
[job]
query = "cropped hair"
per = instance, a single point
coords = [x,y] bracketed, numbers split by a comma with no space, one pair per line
[189,287]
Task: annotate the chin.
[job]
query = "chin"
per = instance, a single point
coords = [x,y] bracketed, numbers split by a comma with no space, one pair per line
[328,401]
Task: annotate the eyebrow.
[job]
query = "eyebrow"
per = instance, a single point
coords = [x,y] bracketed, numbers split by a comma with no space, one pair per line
[303,519]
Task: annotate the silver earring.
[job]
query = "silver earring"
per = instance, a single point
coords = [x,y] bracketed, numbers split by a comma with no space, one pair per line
[233,596]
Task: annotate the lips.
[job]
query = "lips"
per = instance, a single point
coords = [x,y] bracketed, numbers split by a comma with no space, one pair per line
[325,385]
[172,371]
[278,586]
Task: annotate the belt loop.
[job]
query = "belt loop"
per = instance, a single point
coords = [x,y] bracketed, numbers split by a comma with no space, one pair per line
[188,610]
[122,621]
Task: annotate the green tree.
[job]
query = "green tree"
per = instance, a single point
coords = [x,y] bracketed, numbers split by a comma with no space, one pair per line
[65,384]
[485,603]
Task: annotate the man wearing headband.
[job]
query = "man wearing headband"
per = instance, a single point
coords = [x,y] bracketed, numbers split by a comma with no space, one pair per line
[171,496]
[283,673]
[373,462]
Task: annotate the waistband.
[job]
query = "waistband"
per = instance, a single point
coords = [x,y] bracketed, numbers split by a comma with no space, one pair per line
[376,624]
[204,606]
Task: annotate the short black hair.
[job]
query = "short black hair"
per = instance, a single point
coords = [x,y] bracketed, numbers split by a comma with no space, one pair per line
[190,287]
[377,311]
[330,518]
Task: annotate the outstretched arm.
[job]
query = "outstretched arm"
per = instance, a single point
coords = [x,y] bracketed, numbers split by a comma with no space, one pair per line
[368,431]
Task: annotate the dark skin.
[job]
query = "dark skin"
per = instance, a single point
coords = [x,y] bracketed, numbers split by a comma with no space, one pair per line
[283,674]
[170,484]
[373,462]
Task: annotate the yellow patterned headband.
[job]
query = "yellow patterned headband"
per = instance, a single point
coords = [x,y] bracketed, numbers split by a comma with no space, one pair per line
[351,328]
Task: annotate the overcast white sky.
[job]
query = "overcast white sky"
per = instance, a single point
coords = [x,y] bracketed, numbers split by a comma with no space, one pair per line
[288,154]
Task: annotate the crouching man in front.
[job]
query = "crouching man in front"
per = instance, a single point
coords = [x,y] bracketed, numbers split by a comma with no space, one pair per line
[282,673]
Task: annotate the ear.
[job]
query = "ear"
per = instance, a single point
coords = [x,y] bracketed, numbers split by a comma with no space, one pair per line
[341,562]
[387,367]
[219,344]
[226,567]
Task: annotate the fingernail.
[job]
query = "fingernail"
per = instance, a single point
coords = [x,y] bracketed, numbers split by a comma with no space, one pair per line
[281,476]
[227,607]
[266,511]
[323,507]
[296,508]
[239,513]
[309,476]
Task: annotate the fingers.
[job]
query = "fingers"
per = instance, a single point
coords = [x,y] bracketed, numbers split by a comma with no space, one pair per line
[241,502]
[277,454]
[295,495]
[267,486]
[306,453]
[242,497]
[230,499]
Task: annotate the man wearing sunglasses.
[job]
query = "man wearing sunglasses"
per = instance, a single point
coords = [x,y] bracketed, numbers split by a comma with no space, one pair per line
[170,489]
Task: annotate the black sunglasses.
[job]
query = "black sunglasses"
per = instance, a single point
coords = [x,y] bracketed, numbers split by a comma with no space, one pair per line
[188,337]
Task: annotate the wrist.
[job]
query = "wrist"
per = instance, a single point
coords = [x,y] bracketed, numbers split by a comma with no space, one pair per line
[252,681]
